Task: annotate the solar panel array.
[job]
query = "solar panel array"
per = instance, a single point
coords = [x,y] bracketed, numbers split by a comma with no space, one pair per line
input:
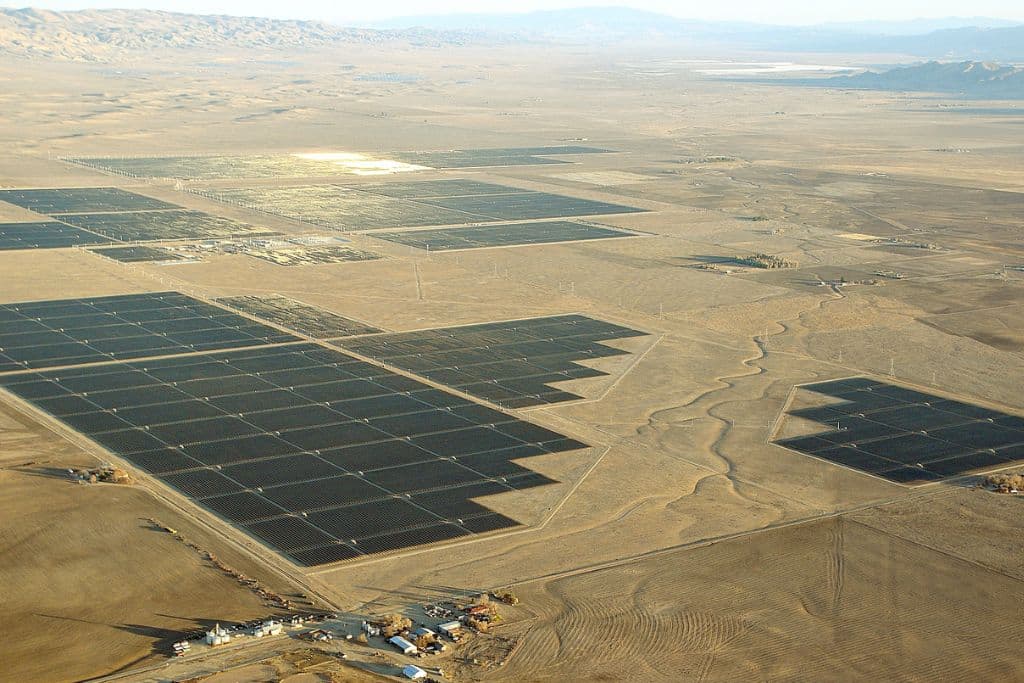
[138,254]
[308,320]
[320,455]
[411,204]
[905,435]
[52,201]
[150,226]
[506,234]
[45,235]
[43,334]
[107,215]
[509,363]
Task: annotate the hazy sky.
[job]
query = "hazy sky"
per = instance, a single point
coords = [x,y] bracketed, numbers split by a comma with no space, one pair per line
[776,11]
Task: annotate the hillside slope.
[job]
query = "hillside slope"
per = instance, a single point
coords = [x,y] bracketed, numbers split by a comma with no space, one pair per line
[102,35]
[978,79]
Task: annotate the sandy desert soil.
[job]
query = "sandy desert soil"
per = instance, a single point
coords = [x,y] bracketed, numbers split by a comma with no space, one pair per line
[90,585]
[834,600]
[815,571]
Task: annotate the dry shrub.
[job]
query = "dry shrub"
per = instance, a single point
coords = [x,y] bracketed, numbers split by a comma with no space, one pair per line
[1006,482]
[509,598]
[478,625]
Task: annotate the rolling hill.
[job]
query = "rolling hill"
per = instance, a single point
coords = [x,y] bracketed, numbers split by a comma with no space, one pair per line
[975,79]
[102,35]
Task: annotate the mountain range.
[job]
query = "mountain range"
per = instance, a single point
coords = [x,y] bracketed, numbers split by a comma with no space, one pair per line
[101,35]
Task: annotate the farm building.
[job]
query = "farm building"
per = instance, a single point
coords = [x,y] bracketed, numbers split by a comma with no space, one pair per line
[414,673]
[403,645]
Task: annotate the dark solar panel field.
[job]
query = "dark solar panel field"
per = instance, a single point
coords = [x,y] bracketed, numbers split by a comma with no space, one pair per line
[45,235]
[42,334]
[138,254]
[81,199]
[308,320]
[904,435]
[508,234]
[508,363]
[148,226]
[412,204]
[320,455]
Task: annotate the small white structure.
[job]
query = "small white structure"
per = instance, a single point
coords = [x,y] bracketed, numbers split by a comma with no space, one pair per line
[370,629]
[403,645]
[450,628]
[218,636]
[414,673]
[268,628]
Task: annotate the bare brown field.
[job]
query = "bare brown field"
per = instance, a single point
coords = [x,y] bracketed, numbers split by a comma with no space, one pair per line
[833,600]
[84,569]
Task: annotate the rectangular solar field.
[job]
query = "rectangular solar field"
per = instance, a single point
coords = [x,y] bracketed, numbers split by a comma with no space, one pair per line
[41,334]
[412,204]
[147,226]
[503,235]
[45,235]
[305,319]
[53,201]
[905,435]
[321,456]
[508,363]
[138,254]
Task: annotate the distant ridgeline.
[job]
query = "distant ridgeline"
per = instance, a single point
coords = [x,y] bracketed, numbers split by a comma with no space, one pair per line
[974,79]
[102,35]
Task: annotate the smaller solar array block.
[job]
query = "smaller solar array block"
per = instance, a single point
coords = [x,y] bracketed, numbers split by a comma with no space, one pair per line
[305,319]
[509,363]
[502,156]
[81,199]
[506,234]
[43,334]
[45,235]
[904,435]
[528,205]
[138,254]
[454,187]
[320,455]
[150,226]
